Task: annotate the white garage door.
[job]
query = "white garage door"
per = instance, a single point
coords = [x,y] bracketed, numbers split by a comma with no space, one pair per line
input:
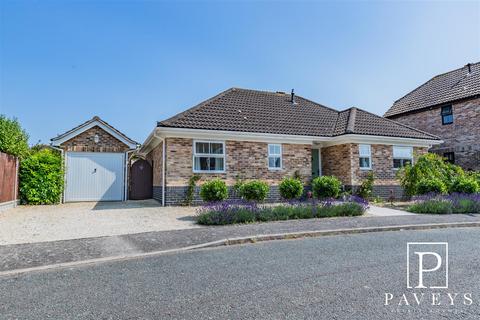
[94,176]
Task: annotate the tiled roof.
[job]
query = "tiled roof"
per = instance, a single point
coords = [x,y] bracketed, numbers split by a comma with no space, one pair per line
[447,87]
[268,112]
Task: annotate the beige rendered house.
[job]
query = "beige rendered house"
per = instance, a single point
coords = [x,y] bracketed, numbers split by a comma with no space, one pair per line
[249,134]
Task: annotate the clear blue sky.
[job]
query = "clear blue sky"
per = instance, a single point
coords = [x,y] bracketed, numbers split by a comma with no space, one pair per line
[133,63]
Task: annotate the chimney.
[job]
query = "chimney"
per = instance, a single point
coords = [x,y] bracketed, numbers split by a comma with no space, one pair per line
[469,66]
[292,100]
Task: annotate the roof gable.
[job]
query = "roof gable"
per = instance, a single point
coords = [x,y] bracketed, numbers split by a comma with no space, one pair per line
[94,122]
[444,88]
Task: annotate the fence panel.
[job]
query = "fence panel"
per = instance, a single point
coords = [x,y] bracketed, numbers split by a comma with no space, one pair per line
[8,178]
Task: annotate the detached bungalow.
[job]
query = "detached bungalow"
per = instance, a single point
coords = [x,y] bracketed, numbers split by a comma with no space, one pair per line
[248,134]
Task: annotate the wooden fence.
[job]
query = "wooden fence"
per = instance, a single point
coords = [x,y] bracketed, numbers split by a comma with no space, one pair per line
[8,180]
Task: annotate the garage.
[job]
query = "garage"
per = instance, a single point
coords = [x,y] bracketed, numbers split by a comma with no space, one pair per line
[96,162]
[94,176]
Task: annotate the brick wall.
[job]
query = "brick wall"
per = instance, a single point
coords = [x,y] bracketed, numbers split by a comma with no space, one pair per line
[248,160]
[461,137]
[84,142]
[156,161]
[336,161]
[342,161]
[244,160]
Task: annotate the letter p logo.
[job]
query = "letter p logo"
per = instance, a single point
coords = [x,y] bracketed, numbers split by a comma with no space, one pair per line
[427,263]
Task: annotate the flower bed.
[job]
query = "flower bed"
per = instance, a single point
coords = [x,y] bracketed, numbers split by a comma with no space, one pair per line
[445,204]
[231,212]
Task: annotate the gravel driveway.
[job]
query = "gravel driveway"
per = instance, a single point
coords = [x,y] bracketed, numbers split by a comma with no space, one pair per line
[28,224]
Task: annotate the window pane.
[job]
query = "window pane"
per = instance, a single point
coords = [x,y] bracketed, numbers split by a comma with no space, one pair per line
[447,119]
[397,163]
[216,164]
[271,162]
[402,152]
[277,162]
[277,149]
[201,163]
[202,147]
[364,162]
[364,150]
[446,110]
[216,148]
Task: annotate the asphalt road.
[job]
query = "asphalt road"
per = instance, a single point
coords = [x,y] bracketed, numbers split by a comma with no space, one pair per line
[338,277]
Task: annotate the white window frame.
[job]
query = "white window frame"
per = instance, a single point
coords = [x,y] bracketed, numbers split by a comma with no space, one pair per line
[274,155]
[404,158]
[209,155]
[363,156]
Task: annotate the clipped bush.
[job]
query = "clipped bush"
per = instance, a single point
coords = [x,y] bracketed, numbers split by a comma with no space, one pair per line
[41,178]
[254,190]
[214,190]
[290,188]
[433,185]
[465,184]
[428,166]
[326,187]
[366,188]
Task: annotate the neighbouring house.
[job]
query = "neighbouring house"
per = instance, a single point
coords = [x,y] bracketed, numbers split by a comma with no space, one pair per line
[247,134]
[96,161]
[448,105]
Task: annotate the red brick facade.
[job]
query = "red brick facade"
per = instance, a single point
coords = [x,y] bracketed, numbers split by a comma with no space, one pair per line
[85,142]
[461,137]
[248,160]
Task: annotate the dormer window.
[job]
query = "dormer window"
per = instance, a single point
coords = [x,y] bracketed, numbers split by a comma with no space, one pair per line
[447,115]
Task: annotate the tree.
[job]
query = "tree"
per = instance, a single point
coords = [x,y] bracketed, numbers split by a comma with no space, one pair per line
[13,139]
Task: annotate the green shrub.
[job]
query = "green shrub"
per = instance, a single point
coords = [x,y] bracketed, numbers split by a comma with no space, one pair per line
[214,190]
[13,139]
[466,206]
[41,178]
[366,188]
[254,190]
[434,206]
[326,187]
[428,166]
[192,182]
[290,188]
[434,185]
[464,184]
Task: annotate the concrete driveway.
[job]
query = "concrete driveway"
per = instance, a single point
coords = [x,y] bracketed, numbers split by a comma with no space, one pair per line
[28,224]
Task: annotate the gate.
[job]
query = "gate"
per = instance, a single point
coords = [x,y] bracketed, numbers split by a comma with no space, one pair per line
[141,180]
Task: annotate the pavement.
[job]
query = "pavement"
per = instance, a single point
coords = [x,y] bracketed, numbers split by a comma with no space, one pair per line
[35,255]
[30,224]
[335,277]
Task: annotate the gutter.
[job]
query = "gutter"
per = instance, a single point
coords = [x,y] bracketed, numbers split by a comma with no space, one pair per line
[62,155]
[15,185]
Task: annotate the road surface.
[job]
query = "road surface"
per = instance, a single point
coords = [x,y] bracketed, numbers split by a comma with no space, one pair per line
[337,277]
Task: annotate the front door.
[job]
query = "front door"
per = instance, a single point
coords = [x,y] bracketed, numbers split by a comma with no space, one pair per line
[315,163]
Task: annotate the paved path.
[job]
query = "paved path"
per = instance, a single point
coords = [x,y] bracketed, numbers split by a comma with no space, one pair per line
[338,277]
[46,253]
[386,212]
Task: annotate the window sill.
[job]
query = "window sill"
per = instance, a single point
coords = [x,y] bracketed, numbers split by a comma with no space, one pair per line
[209,171]
[366,169]
[275,169]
